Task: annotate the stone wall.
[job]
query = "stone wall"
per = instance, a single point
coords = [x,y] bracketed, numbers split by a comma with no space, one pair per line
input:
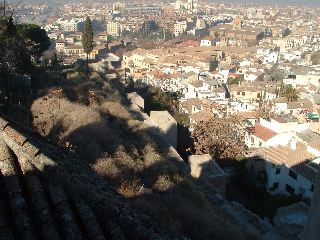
[203,168]
[167,125]
[136,100]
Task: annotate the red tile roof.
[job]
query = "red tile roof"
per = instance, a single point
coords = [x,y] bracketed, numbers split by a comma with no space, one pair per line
[263,133]
[279,119]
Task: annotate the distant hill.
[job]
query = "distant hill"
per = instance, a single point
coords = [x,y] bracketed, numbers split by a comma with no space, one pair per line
[315,3]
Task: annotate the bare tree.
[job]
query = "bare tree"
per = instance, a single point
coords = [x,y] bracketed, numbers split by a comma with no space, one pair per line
[222,138]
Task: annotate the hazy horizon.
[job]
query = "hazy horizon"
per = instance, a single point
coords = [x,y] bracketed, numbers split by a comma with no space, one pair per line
[274,2]
[309,3]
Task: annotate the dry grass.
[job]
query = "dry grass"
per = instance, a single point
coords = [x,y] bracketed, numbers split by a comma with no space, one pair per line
[115,109]
[49,110]
[76,125]
[106,166]
[163,184]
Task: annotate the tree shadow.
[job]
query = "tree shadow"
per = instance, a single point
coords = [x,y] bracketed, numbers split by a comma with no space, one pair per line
[263,187]
[78,193]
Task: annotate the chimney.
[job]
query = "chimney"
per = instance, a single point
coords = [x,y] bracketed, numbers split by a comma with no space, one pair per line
[293,144]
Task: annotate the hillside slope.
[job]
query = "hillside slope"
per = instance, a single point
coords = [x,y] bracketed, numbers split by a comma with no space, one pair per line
[103,159]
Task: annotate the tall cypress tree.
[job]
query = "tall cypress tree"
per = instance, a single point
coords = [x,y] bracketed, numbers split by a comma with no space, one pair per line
[87,39]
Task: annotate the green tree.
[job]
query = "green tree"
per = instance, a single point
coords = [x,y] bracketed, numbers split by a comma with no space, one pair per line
[87,39]
[36,39]
[110,38]
[55,63]
[213,65]
[290,93]
[11,27]
[14,57]
[286,32]
[260,36]
[236,81]
[156,99]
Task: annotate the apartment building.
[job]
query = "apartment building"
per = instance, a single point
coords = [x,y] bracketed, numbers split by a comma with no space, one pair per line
[114,28]
[288,43]
[180,28]
[72,25]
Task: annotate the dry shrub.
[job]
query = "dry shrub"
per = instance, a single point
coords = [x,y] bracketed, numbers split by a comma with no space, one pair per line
[141,133]
[81,126]
[78,88]
[110,93]
[107,168]
[115,109]
[49,111]
[73,75]
[125,160]
[130,188]
[163,184]
[150,156]
[81,92]
[134,124]
[120,167]
[95,76]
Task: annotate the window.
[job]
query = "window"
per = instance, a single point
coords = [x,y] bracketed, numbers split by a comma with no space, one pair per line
[243,93]
[292,174]
[258,95]
[289,189]
[275,186]
[238,93]
[278,170]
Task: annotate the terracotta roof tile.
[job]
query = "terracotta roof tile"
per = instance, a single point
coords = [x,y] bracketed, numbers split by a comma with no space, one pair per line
[263,133]
[298,160]
[315,145]
[286,155]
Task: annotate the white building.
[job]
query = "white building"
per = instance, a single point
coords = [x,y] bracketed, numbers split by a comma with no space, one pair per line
[279,131]
[288,153]
[207,42]
[180,28]
[289,170]
[72,25]
[193,89]
[288,43]
[270,58]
